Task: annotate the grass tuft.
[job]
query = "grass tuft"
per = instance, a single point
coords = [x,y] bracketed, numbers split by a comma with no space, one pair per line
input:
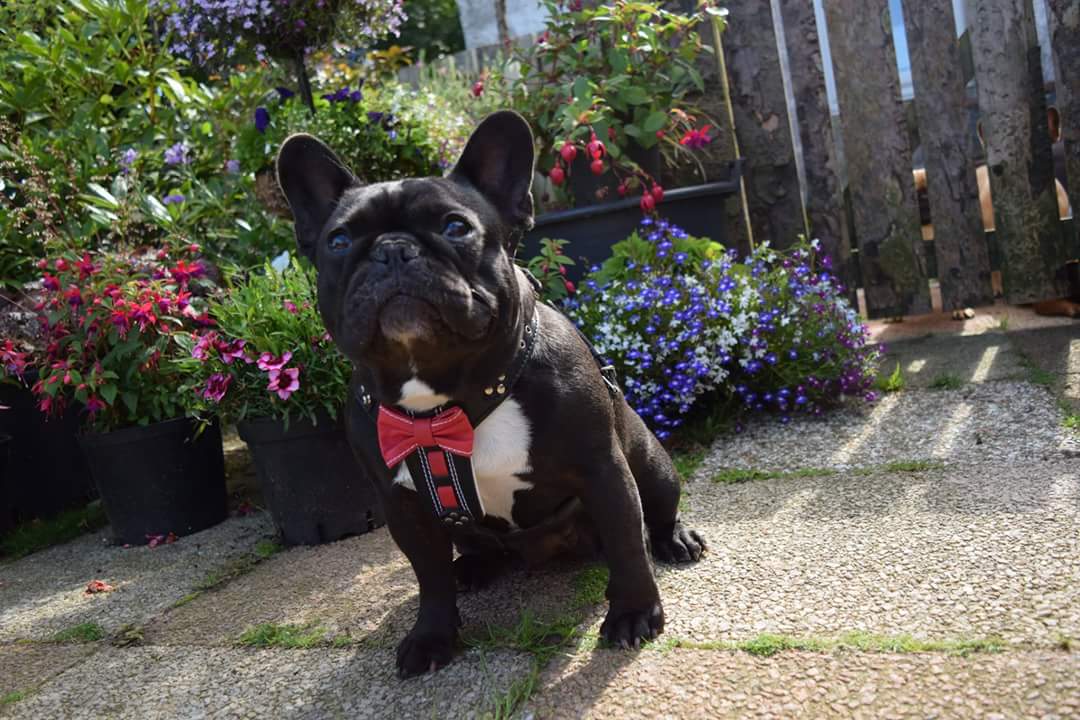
[86,632]
[731,476]
[542,638]
[688,460]
[37,535]
[590,586]
[268,548]
[271,635]
[1071,421]
[505,705]
[13,697]
[893,382]
[769,644]
[1035,374]
[946,382]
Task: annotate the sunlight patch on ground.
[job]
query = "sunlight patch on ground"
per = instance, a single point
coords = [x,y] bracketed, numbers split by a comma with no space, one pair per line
[874,421]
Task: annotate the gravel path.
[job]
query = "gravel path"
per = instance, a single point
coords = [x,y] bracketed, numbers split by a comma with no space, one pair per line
[971,534]
[698,684]
[43,594]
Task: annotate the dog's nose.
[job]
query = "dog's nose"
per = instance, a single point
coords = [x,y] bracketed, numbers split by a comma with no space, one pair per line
[395,251]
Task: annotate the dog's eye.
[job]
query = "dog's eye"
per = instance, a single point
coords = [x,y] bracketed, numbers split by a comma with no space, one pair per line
[339,242]
[456,228]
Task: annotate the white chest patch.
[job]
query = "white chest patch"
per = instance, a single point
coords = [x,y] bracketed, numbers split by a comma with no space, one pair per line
[500,456]
[418,396]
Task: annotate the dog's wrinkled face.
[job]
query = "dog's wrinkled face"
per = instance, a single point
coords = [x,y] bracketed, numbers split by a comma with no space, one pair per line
[420,271]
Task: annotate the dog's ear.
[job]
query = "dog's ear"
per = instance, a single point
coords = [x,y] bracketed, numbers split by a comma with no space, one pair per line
[498,161]
[313,180]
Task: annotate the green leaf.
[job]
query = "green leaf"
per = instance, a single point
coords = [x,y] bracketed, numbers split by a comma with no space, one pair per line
[177,88]
[632,130]
[582,89]
[108,197]
[634,95]
[108,392]
[655,121]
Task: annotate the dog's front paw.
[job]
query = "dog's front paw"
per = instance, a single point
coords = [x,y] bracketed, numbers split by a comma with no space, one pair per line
[678,545]
[425,650]
[628,628]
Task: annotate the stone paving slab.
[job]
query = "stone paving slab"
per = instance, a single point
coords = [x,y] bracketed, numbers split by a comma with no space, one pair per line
[608,685]
[25,666]
[976,359]
[361,587]
[980,550]
[176,683]
[1002,422]
[43,593]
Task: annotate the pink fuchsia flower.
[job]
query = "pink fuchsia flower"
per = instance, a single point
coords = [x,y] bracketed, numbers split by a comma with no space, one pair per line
[11,359]
[94,405]
[291,307]
[86,266]
[284,382]
[696,139]
[234,351]
[216,387]
[51,282]
[268,362]
[73,295]
[185,271]
[143,314]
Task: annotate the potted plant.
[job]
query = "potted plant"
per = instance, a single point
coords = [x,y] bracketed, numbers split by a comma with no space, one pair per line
[46,472]
[111,320]
[608,91]
[268,365]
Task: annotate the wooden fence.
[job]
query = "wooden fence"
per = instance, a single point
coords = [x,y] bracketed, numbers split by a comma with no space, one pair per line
[978,122]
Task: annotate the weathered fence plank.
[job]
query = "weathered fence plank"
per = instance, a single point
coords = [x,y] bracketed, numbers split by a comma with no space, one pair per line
[878,158]
[1065,31]
[963,260]
[761,124]
[1008,73]
[823,197]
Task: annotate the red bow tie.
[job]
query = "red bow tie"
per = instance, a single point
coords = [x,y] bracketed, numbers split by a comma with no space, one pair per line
[400,435]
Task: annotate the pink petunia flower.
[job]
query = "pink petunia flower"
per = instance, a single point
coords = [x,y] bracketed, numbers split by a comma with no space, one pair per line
[234,351]
[284,382]
[216,387]
[202,348]
[268,362]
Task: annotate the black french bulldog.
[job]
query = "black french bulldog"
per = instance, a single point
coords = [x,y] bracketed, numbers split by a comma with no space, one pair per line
[418,287]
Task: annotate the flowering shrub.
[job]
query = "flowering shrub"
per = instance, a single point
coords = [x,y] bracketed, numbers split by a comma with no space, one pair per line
[267,354]
[110,322]
[604,81]
[374,142]
[679,317]
[214,31]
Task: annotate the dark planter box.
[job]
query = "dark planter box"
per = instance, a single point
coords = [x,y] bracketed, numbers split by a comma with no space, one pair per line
[312,484]
[158,479]
[46,472]
[7,518]
[591,231]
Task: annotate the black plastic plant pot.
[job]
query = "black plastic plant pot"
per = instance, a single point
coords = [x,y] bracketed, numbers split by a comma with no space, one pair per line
[46,472]
[313,486]
[700,210]
[159,479]
[7,517]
